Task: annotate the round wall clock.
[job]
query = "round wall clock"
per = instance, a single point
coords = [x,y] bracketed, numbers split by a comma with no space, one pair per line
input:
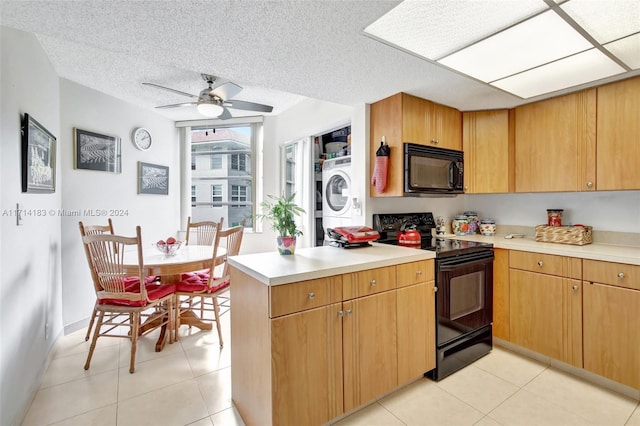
[142,138]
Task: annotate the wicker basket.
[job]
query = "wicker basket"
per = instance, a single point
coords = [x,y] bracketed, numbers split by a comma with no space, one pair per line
[577,235]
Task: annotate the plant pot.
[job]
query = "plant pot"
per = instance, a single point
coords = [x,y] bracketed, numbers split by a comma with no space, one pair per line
[286,245]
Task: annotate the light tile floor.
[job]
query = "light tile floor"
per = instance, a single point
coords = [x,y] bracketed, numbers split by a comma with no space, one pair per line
[189,383]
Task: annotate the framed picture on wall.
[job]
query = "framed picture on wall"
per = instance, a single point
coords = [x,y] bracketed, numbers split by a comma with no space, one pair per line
[94,151]
[38,157]
[153,179]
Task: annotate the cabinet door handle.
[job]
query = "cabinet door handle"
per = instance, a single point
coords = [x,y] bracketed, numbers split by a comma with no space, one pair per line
[311,295]
[340,313]
[349,312]
[539,262]
[589,184]
[574,287]
[621,275]
[435,141]
[373,282]
[435,289]
[418,273]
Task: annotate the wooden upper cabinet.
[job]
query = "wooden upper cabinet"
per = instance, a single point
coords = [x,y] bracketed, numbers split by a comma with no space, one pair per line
[555,144]
[404,118]
[488,145]
[618,147]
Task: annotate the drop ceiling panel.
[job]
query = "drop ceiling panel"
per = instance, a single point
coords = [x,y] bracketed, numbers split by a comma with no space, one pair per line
[573,71]
[605,20]
[519,48]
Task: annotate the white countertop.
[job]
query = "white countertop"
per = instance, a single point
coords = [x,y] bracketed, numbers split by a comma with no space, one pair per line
[273,268]
[605,252]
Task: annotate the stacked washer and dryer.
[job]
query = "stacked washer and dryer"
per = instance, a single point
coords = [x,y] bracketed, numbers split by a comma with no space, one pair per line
[336,195]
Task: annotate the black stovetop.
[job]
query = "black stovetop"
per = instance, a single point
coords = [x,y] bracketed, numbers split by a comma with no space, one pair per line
[389,226]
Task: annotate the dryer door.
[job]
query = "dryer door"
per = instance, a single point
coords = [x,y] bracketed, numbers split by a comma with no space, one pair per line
[337,194]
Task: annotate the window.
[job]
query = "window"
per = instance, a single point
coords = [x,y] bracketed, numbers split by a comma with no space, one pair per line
[238,193]
[290,169]
[216,195]
[223,172]
[239,162]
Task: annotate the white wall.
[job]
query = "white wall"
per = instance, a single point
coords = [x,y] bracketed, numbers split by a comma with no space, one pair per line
[30,282]
[110,194]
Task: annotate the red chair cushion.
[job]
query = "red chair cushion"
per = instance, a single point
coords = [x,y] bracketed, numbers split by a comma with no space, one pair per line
[154,292]
[195,284]
[203,275]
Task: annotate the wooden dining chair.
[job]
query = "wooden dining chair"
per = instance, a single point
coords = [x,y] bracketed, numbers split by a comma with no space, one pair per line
[93,230]
[233,241]
[195,288]
[97,230]
[201,233]
[123,302]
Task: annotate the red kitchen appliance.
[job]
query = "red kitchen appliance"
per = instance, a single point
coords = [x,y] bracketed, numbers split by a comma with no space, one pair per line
[409,236]
[351,236]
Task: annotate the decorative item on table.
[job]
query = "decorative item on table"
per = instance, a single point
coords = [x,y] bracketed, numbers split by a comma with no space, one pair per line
[351,236]
[473,222]
[381,168]
[459,225]
[281,212]
[169,247]
[488,227]
[554,217]
[576,235]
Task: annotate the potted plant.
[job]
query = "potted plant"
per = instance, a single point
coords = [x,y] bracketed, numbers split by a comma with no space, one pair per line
[281,212]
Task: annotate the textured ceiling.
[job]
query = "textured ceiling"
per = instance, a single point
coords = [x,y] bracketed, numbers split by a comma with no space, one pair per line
[278,51]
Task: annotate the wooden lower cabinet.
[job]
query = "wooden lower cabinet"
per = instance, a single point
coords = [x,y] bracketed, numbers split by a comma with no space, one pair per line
[369,348]
[501,321]
[546,315]
[416,333]
[297,363]
[612,332]
[306,347]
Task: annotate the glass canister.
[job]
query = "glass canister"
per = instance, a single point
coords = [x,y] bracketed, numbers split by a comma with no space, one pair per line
[459,225]
[488,227]
[554,217]
[473,222]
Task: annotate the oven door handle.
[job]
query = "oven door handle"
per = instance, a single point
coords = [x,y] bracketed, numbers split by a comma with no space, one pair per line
[450,265]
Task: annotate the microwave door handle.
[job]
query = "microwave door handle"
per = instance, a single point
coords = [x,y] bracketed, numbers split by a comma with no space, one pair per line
[452,174]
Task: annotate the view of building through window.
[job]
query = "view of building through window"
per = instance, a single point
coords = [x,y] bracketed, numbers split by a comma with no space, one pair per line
[222,175]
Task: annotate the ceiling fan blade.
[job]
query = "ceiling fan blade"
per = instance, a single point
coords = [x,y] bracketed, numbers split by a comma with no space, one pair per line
[184,104]
[225,115]
[170,90]
[226,91]
[249,106]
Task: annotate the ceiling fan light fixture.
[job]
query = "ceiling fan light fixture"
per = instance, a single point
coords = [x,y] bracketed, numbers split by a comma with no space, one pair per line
[209,109]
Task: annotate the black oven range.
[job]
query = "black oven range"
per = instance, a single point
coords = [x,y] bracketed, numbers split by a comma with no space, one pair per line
[464,297]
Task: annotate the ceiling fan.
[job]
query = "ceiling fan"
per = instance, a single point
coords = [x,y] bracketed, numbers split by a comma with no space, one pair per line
[213,101]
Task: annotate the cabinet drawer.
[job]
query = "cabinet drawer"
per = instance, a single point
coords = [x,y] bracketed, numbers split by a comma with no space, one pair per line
[288,298]
[570,267]
[415,272]
[368,282]
[618,274]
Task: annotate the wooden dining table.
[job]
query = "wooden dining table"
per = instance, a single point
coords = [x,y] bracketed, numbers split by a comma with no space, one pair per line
[188,258]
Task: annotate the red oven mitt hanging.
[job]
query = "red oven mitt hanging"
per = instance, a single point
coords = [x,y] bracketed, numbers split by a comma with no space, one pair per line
[381,169]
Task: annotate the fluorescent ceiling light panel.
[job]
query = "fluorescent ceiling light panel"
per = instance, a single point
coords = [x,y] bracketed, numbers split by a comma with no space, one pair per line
[572,71]
[605,20]
[539,40]
[435,28]
[627,50]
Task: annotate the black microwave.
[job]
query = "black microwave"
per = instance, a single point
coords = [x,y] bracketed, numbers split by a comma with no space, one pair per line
[430,170]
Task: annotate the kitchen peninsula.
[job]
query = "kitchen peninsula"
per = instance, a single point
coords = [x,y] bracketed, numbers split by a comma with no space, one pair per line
[311,332]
